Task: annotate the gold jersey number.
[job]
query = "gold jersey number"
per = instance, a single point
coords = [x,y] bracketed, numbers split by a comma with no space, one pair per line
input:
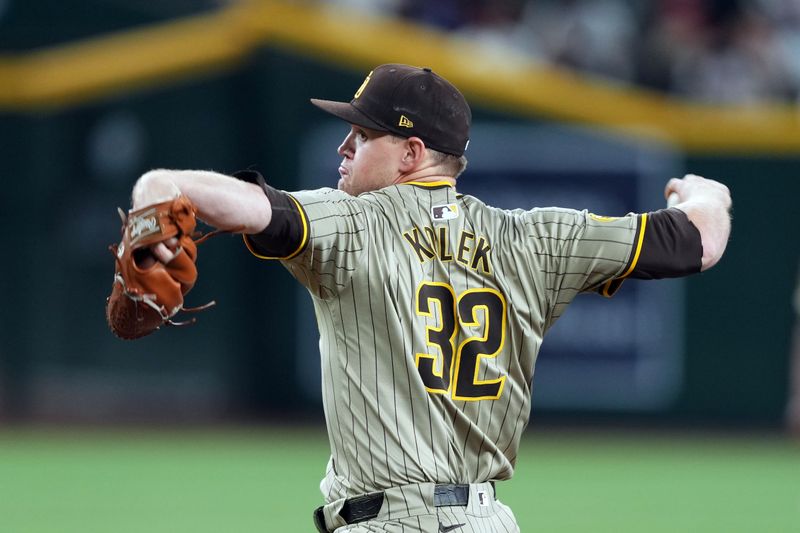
[452,369]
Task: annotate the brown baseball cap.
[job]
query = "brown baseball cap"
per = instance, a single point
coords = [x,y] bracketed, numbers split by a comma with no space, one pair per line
[409,102]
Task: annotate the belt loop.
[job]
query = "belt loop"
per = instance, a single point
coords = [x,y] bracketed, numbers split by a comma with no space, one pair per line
[319,520]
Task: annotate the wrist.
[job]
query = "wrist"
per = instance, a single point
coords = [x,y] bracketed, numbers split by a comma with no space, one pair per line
[153,187]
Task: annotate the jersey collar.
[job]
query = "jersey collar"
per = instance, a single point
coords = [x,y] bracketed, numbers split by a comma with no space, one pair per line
[429,184]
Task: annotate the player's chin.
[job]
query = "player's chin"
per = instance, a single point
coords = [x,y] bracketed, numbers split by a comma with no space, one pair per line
[343,185]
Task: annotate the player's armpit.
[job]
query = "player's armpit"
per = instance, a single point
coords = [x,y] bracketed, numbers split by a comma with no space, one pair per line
[287,233]
[671,246]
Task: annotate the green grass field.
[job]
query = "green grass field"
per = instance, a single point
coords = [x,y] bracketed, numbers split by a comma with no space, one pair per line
[265,480]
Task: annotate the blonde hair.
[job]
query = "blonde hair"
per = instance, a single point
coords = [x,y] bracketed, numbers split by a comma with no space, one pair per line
[453,165]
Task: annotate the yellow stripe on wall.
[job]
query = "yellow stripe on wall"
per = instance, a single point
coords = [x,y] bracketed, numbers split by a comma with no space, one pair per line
[94,68]
[89,69]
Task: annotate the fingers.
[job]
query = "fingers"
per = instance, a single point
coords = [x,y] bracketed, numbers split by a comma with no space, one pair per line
[694,186]
[673,199]
[166,251]
[672,190]
[681,186]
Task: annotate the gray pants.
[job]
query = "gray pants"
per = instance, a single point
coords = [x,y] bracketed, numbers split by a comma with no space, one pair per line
[410,508]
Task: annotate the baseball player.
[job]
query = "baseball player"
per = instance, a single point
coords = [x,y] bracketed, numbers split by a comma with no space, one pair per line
[431,305]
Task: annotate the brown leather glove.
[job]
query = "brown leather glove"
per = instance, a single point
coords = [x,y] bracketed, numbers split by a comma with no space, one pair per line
[147,293]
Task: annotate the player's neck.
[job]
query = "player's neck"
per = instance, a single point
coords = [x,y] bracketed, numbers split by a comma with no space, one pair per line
[425,177]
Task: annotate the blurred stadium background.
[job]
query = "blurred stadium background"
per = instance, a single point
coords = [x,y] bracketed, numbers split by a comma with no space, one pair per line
[662,409]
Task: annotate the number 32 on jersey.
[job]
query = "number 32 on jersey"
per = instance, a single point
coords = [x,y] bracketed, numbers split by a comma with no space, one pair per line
[456,370]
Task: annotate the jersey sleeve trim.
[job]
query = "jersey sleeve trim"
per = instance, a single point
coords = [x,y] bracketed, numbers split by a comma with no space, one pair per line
[640,240]
[303,240]
[613,285]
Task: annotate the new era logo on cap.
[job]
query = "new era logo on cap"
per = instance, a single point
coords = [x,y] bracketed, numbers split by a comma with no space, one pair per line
[409,102]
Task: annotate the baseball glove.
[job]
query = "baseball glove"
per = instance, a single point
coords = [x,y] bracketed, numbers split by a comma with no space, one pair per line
[146,293]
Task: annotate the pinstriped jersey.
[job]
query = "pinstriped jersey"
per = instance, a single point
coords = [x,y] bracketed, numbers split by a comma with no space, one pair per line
[431,308]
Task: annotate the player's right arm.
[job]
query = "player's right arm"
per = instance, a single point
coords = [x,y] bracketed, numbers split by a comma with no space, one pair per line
[222,201]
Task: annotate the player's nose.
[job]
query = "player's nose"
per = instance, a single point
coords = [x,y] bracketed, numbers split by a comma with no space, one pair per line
[346,148]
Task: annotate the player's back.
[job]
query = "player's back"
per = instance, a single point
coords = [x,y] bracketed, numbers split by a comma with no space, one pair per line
[424,378]
[431,308]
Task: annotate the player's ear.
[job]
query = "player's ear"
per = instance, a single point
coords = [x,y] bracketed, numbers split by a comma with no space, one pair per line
[414,153]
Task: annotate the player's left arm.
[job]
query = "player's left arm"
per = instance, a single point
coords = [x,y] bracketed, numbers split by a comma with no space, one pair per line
[707,205]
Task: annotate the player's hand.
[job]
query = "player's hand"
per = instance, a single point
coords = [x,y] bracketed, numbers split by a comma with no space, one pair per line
[150,190]
[707,203]
[147,294]
[694,187]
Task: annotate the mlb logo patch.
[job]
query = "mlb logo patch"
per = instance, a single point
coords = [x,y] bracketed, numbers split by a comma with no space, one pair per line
[483,498]
[444,212]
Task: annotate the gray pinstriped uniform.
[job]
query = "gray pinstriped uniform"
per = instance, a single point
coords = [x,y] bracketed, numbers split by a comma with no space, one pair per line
[430,321]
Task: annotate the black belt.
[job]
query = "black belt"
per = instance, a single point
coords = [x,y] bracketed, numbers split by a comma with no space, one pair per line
[366,507]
